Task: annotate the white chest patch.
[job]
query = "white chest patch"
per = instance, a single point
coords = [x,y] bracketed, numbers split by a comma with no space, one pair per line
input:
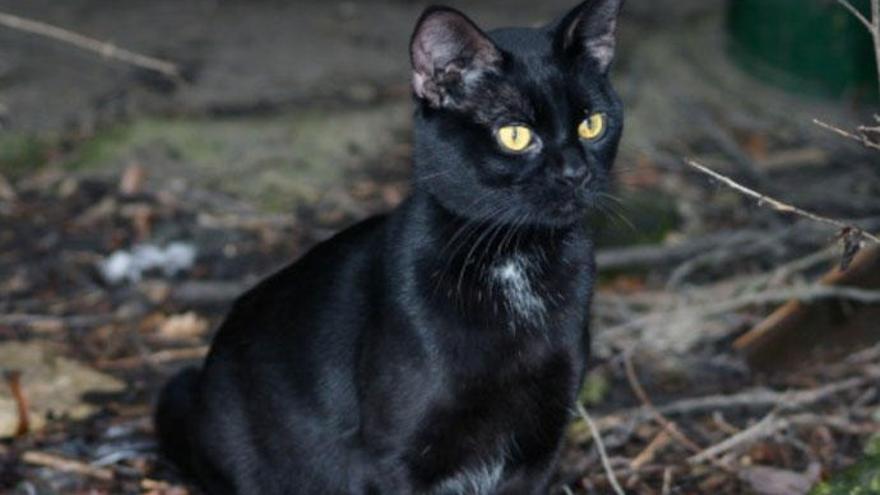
[480,480]
[513,278]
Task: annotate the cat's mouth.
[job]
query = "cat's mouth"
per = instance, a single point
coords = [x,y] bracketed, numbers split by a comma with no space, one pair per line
[563,205]
[570,206]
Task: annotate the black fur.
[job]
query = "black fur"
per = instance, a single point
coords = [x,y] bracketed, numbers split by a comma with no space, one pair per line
[439,349]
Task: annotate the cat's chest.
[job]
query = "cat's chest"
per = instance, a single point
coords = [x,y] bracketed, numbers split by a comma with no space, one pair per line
[516,283]
[524,291]
[485,424]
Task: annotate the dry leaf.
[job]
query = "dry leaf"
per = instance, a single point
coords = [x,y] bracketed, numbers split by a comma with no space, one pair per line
[187,326]
[133,179]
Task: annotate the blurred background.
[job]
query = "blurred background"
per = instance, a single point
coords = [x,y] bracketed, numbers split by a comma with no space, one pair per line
[139,196]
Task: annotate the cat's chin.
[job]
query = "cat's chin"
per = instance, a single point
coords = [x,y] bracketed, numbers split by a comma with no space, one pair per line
[565,218]
[566,212]
[560,216]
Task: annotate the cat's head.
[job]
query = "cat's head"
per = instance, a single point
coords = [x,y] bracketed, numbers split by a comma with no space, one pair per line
[518,124]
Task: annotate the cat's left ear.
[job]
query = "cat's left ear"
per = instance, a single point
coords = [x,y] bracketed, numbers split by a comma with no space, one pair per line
[448,51]
[590,30]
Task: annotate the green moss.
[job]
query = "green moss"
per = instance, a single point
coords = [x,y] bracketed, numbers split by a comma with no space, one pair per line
[278,163]
[98,150]
[595,389]
[861,479]
[20,153]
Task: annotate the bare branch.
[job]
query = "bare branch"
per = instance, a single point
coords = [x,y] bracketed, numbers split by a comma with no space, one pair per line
[702,310]
[66,465]
[158,357]
[104,49]
[762,429]
[875,13]
[861,137]
[667,425]
[854,11]
[755,398]
[779,205]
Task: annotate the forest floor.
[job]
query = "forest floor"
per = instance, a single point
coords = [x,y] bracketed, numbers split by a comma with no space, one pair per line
[133,212]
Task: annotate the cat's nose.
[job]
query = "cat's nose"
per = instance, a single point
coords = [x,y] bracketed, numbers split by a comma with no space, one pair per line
[571,176]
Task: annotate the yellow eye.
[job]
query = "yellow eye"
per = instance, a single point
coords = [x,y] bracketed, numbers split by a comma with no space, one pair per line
[514,137]
[592,127]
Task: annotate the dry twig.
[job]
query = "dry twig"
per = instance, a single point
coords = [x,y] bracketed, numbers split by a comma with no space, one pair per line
[650,452]
[600,446]
[872,25]
[667,481]
[861,137]
[781,206]
[762,429]
[664,422]
[55,322]
[761,398]
[102,48]
[13,378]
[66,465]
[159,357]
[700,310]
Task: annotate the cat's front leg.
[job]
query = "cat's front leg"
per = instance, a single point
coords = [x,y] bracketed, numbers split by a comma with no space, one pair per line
[374,472]
[531,477]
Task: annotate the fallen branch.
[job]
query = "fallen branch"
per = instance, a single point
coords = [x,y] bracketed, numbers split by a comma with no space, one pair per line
[698,311]
[839,423]
[56,323]
[780,206]
[789,335]
[667,425]
[66,465]
[769,425]
[752,399]
[160,357]
[206,292]
[107,50]
[650,452]
[651,256]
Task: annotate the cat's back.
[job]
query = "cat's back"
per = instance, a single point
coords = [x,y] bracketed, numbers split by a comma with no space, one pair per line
[278,383]
[311,311]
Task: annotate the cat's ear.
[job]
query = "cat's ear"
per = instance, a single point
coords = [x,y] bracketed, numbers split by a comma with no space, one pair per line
[590,30]
[448,50]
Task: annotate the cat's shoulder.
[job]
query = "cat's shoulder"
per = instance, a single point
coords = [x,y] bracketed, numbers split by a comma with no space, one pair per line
[351,246]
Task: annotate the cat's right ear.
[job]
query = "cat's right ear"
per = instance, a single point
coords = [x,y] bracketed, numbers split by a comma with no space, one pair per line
[448,50]
[590,30]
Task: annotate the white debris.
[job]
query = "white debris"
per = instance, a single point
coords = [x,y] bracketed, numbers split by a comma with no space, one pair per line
[130,265]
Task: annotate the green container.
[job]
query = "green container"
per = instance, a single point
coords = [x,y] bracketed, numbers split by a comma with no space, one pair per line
[812,47]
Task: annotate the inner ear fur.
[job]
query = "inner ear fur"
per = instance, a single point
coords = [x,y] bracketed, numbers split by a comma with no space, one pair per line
[448,50]
[590,31]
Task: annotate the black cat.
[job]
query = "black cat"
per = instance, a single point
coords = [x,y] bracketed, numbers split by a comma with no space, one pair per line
[437,350]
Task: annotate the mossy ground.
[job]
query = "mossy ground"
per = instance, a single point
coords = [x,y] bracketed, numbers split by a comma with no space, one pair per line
[861,479]
[20,153]
[276,163]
